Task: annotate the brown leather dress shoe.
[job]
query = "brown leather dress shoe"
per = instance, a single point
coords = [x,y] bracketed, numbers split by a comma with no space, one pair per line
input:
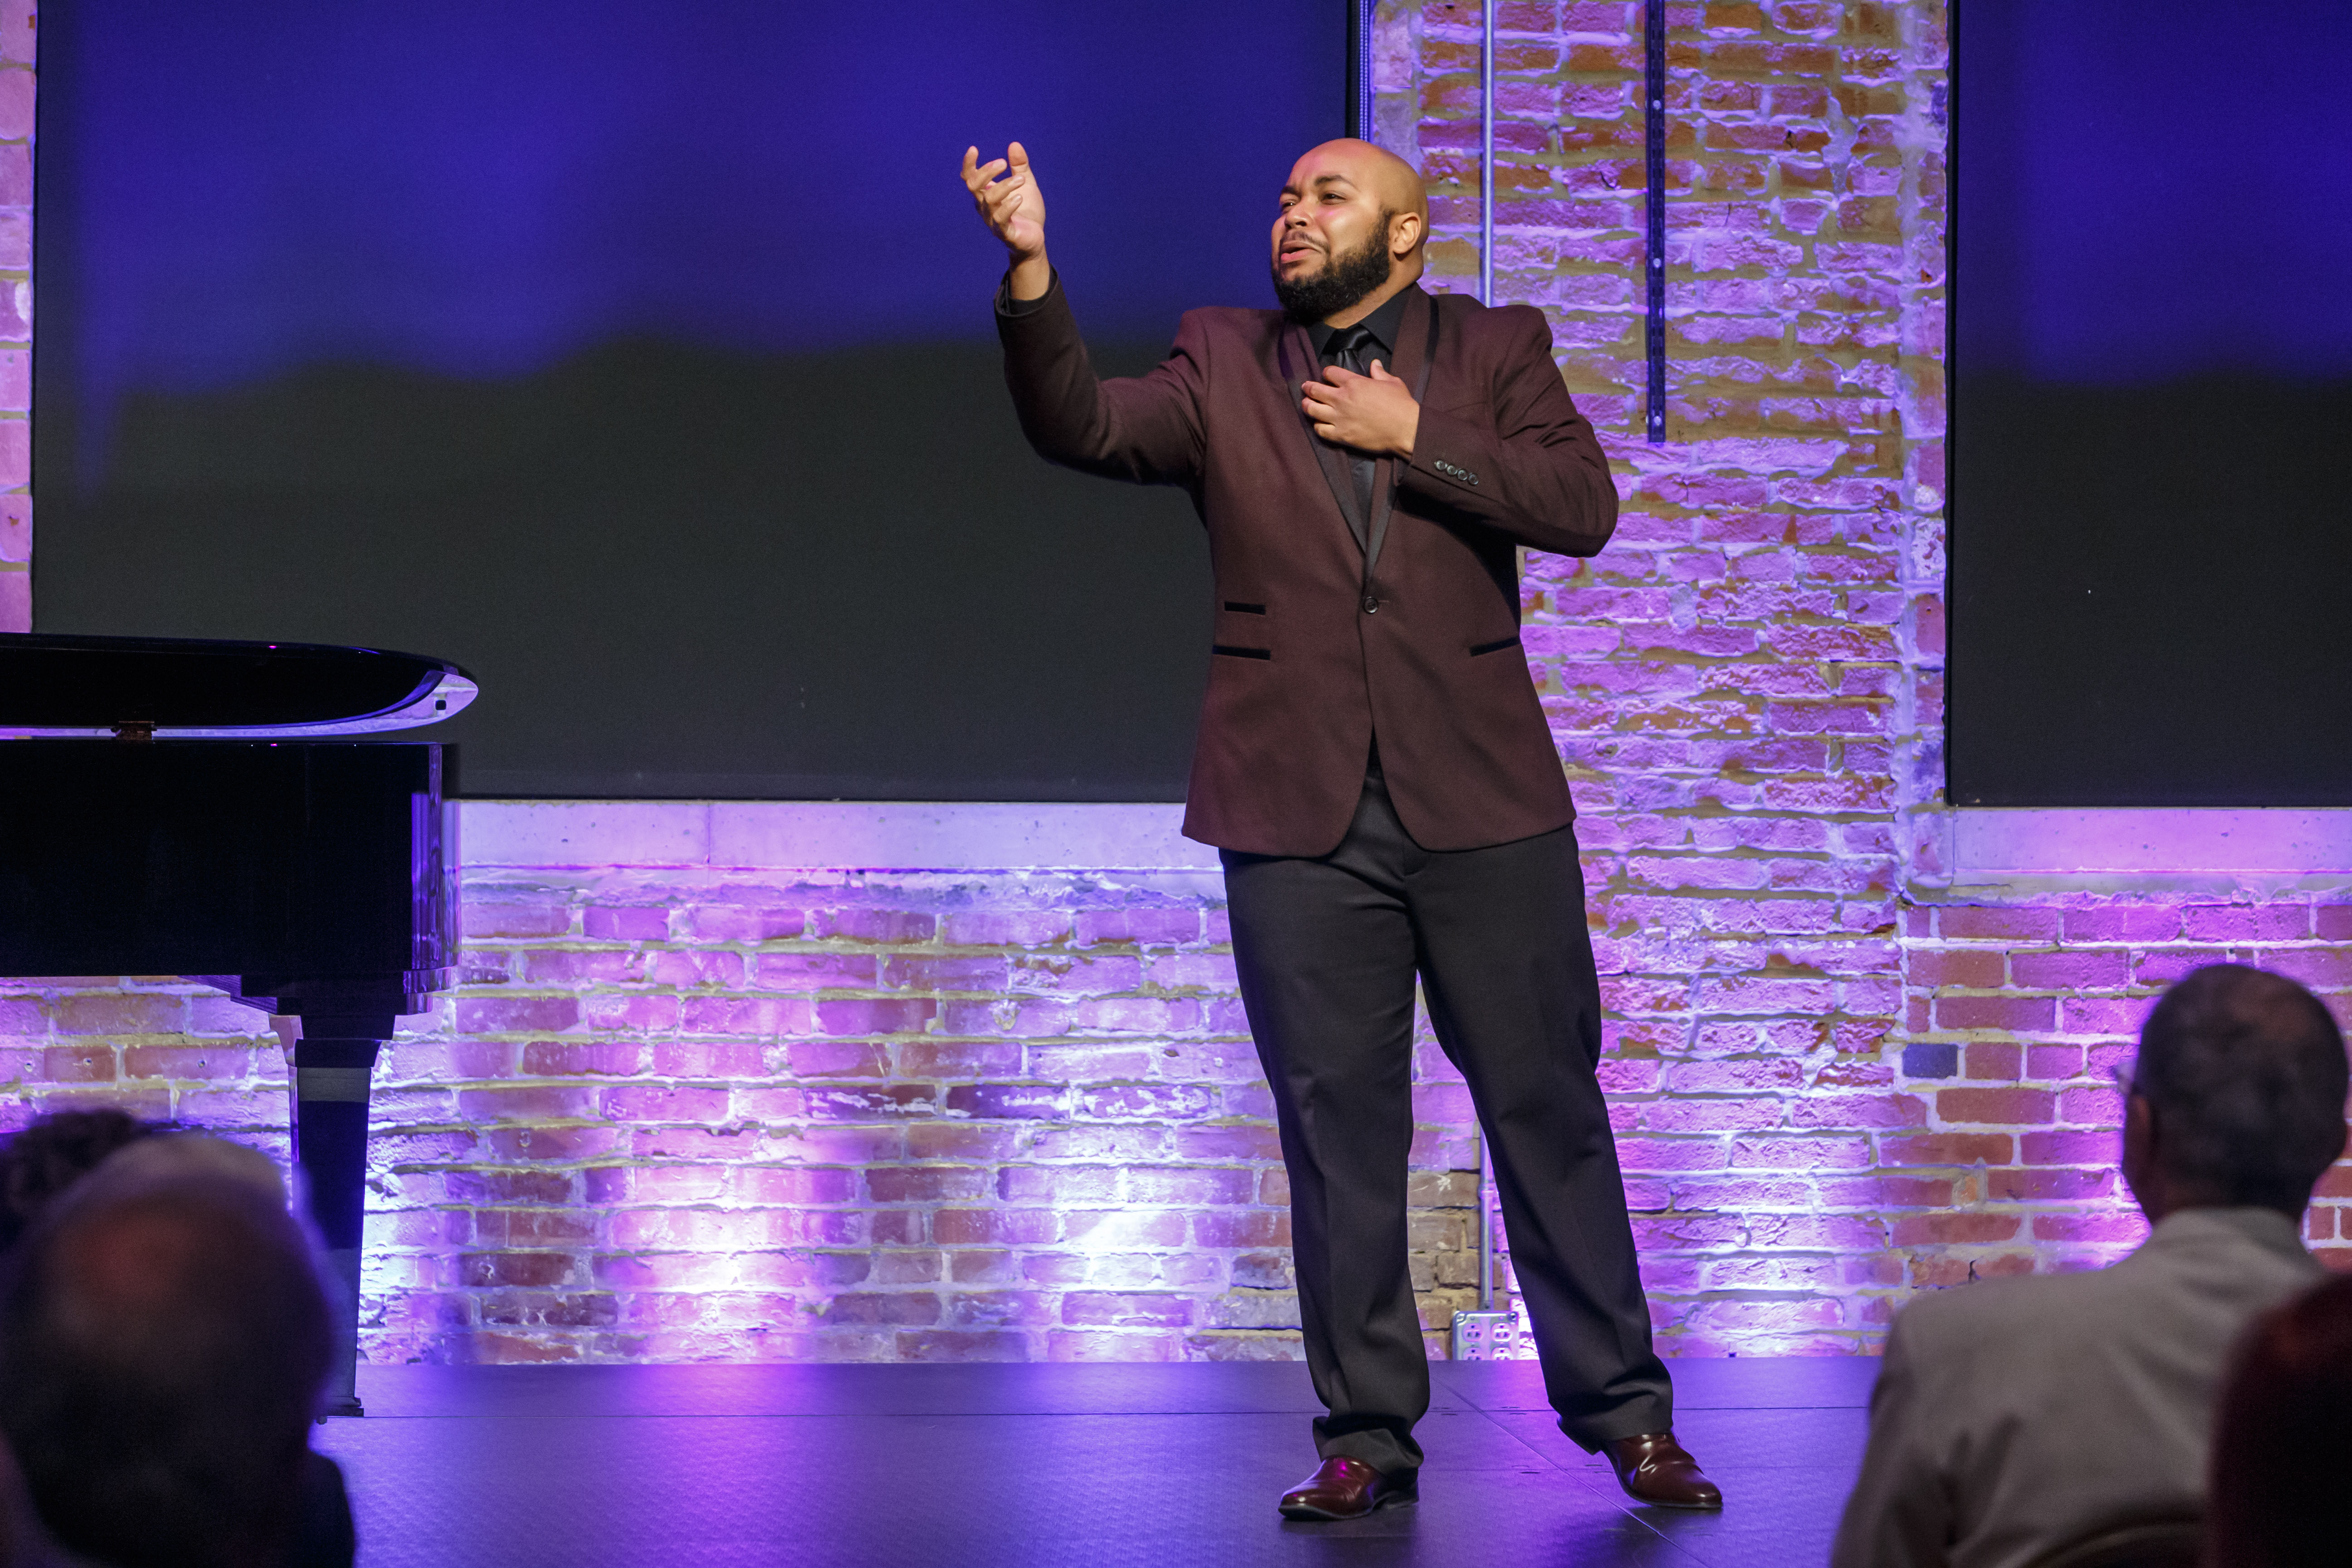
[1346,1488]
[1655,1469]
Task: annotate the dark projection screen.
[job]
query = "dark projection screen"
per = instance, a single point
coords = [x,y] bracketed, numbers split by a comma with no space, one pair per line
[2151,539]
[641,360]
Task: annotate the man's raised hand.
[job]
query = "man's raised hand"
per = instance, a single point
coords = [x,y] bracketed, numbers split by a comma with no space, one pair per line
[1015,210]
[1373,413]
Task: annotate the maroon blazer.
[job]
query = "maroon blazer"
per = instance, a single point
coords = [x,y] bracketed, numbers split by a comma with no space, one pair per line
[1332,627]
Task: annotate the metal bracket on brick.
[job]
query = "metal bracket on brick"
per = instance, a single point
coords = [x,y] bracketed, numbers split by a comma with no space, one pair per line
[1653,258]
[1492,1332]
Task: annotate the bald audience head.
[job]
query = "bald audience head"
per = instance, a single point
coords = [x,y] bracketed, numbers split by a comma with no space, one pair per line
[164,1339]
[1350,232]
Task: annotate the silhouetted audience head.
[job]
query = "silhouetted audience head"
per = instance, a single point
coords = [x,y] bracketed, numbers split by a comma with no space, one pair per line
[2238,1094]
[164,1339]
[51,1154]
[2282,1445]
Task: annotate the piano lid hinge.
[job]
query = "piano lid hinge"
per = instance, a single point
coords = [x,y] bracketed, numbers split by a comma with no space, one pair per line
[135,729]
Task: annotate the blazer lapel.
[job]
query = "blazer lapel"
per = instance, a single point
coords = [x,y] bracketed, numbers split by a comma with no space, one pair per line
[1298,361]
[1416,349]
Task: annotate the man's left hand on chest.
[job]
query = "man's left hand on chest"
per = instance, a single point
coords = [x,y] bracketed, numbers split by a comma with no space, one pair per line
[1372,413]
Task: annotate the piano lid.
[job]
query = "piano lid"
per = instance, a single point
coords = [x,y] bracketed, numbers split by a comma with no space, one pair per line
[175,688]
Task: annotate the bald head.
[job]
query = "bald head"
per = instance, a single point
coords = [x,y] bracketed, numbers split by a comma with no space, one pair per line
[1353,220]
[1392,181]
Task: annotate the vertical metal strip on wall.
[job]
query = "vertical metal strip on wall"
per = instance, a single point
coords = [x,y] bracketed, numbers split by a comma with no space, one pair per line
[1487,156]
[1654,259]
[1358,118]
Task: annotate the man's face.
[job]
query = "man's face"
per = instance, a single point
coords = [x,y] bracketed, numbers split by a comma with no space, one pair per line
[1330,210]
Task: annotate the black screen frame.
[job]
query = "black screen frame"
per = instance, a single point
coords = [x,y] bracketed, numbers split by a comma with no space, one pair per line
[2175,766]
[1162,780]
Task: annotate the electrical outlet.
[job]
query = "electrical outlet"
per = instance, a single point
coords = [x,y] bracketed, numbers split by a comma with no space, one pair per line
[1485,1336]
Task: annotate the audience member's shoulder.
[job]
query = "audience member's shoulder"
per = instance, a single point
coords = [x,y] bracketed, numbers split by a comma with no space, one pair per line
[1990,1309]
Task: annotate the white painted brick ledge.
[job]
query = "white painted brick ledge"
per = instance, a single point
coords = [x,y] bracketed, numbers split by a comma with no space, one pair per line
[2240,841]
[860,836]
[947,836]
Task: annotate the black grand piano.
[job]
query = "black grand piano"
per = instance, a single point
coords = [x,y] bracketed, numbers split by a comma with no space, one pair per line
[217,810]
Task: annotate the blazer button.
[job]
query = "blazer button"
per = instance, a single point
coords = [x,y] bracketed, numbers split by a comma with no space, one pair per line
[1371,606]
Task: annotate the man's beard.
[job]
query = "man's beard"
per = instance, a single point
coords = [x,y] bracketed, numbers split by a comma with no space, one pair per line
[1343,281]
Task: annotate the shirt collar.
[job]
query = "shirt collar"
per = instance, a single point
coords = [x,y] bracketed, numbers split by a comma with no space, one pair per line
[1384,324]
[2267,1228]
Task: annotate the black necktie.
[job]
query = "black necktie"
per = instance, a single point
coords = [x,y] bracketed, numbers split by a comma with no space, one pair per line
[1355,347]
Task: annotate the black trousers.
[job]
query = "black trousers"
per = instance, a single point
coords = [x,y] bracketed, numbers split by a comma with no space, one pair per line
[1328,950]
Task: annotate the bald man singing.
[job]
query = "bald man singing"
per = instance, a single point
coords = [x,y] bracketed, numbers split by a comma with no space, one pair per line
[1374,767]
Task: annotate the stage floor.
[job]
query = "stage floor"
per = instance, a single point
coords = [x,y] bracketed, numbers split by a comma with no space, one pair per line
[1033,1466]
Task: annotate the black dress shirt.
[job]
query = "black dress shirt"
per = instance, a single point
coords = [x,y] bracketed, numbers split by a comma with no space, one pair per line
[1383,324]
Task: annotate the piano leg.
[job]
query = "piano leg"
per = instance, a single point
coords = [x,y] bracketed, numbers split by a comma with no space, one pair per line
[330,1125]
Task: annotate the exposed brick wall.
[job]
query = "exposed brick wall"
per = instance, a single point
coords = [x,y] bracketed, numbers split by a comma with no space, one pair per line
[16,315]
[1738,683]
[845,1118]
[2014,1015]
[674,1116]
[868,1116]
